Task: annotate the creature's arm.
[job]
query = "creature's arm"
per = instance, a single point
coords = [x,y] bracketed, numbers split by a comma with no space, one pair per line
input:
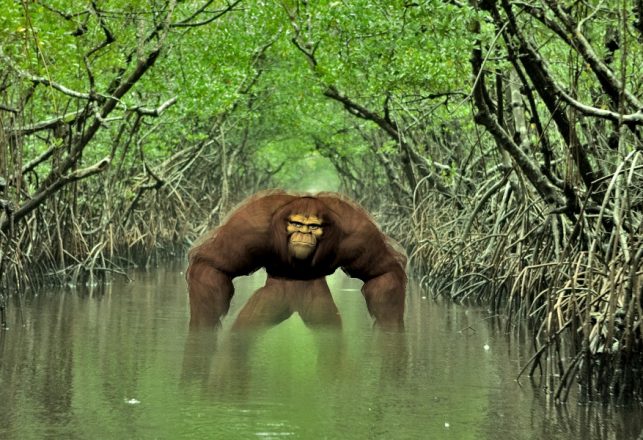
[385,296]
[382,270]
[238,247]
[366,253]
[210,292]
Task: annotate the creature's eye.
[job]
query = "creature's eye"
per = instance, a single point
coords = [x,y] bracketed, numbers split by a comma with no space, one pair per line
[296,224]
[314,227]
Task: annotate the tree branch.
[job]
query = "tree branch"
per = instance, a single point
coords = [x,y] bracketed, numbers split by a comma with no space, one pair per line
[487,119]
[186,22]
[41,80]
[156,111]
[610,83]
[41,196]
[68,118]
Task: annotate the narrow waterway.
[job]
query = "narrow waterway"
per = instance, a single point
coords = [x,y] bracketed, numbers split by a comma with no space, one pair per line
[118,362]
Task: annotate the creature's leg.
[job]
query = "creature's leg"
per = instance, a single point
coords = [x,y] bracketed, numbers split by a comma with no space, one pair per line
[267,307]
[316,306]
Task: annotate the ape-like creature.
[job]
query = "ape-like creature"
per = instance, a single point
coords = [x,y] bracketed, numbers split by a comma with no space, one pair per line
[298,239]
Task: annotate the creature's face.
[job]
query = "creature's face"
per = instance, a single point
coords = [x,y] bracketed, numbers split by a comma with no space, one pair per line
[304,231]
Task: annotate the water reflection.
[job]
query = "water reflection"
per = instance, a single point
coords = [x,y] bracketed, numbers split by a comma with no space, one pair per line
[120,363]
[223,367]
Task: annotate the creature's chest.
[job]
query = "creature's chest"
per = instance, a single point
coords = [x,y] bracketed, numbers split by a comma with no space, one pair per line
[299,271]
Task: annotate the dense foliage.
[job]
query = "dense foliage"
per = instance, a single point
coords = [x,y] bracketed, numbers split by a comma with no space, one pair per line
[498,140]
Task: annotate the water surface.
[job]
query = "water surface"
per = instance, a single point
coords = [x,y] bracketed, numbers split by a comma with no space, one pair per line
[119,362]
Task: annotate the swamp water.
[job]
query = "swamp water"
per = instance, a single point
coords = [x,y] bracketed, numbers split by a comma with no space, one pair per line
[118,363]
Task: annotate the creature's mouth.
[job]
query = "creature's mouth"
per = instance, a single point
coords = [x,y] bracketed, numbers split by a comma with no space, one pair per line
[302,243]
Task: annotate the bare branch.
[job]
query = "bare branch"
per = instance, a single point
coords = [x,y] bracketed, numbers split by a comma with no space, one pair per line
[41,80]
[38,160]
[63,14]
[68,118]
[7,108]
[156,111]
[109,39]
[632,118]
[610,83]
[41,196]
[186,22]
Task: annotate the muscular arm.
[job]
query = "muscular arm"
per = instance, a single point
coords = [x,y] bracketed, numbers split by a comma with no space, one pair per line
[238,247]
[210,293]
[366,253]
[385,295]
[382,270]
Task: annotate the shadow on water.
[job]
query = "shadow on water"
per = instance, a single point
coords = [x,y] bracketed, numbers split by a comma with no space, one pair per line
[120,363]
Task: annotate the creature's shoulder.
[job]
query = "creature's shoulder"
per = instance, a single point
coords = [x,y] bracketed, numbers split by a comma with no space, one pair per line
[258,209]
[352,216]
[361,232]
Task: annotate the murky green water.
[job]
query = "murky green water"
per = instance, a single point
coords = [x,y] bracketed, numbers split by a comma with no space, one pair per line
[119,363]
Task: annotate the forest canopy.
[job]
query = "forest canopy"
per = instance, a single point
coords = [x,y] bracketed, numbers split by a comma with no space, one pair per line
[498,140]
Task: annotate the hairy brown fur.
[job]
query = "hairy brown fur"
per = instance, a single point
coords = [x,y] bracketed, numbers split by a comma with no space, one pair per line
[254,236]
